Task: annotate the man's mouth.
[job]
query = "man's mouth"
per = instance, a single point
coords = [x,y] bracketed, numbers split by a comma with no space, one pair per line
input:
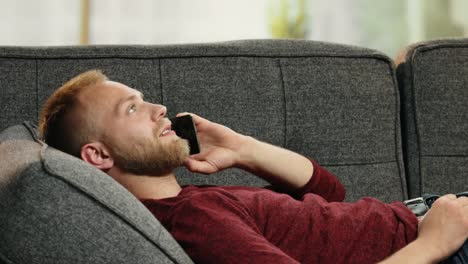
[167,131]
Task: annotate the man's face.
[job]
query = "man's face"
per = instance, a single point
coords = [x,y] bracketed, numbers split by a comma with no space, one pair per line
[136,132]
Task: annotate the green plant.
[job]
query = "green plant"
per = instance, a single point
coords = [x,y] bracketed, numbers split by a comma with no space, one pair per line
[288,19]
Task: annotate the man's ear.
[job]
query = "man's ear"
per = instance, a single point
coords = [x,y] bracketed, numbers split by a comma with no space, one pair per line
[97,154]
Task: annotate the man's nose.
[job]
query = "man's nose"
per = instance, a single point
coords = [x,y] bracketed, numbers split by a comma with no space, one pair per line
[159,111]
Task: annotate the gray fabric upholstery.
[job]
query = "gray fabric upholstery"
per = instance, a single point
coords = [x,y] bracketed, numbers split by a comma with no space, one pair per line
[337,104]
[55,208]
[26,131]
[334,103]
[18,94]
[433,78]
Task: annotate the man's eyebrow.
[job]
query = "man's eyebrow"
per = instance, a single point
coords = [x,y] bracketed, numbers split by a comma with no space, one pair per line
[129,98]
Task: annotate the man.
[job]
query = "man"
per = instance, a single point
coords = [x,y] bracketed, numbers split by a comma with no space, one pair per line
[110,126]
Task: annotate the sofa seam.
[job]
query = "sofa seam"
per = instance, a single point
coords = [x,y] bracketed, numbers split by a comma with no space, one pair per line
[146,56]
[415,118]
[33,132]
[359,163]
[428,47]
[161,91]
[397,133]
[37,88]
[285,104]
[447,156]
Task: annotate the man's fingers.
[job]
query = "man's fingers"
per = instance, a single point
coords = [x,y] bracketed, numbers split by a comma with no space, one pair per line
[448,197]
[453,205]
[463,200]
[197,119]
[445,199]
[199,166]
[198,156]
[183,113]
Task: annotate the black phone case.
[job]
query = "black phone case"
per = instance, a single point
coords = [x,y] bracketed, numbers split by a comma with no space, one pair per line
[185,128]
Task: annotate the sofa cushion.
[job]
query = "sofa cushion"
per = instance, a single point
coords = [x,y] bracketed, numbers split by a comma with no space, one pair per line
[55,208]
[433,79]
[17,91]
[26,131]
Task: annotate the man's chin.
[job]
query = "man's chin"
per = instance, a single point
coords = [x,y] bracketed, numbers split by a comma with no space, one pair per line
[156,160]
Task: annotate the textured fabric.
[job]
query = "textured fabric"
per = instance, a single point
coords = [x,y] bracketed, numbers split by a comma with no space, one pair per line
[18,95]
[222,49]
[345,113]
[434,86]
[388,187]
[335,103]
[252,225]
[26,131]
[55,208]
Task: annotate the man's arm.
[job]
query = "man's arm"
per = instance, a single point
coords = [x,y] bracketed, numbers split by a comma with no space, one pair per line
[415,252]
[442,231]
[278,166]
[223,148]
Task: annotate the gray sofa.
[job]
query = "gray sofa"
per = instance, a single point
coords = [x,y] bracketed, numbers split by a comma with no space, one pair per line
[391,130]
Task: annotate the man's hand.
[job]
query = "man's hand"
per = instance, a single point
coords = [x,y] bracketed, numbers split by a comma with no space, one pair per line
[219,147]
[442,231]
[223,148]
[444,228]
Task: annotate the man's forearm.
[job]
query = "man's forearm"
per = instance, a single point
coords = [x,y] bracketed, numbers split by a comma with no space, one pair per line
[280,167]
[415,252]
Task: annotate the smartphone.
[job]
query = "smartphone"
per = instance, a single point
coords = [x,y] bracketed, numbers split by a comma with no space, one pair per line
[185,128]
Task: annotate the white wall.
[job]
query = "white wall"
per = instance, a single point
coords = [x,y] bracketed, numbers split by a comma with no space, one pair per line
[334,21]
[57,22]
[49,22]
[379,24]
[176,21]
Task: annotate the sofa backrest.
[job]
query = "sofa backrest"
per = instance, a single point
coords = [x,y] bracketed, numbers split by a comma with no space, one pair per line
[336,104]
[433,78]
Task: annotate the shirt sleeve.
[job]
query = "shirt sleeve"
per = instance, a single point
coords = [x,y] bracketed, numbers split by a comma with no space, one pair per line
[324,184]
[213,230]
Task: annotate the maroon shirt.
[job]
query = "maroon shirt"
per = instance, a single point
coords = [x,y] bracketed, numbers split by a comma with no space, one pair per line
[254,225]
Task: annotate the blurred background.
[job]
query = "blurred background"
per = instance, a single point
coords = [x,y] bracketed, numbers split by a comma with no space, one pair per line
[384,25]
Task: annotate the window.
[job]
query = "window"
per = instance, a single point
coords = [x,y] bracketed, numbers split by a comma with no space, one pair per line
[379,24]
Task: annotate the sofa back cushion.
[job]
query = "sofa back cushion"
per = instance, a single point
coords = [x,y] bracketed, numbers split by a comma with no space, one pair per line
[433,79]
[336,104]
[55,208]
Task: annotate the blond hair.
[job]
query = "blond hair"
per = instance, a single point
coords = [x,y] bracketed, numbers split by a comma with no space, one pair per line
[54,126]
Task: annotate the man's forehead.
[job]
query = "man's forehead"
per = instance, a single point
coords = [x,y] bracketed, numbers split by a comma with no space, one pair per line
[99,101]
[109,90]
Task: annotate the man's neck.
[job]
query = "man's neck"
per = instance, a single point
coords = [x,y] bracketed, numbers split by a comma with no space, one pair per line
[147,186]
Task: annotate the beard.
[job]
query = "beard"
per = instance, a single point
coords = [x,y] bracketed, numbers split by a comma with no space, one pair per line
[149,156]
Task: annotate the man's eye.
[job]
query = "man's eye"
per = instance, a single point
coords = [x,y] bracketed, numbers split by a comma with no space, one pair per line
[132,109]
